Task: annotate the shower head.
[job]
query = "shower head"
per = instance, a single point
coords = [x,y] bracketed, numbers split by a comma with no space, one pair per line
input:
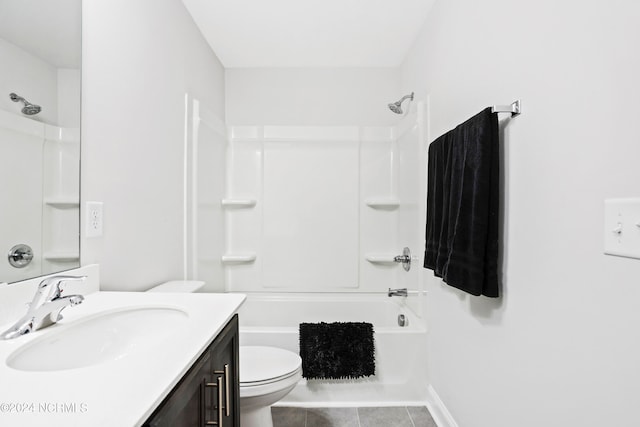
[396,106]
[29,109]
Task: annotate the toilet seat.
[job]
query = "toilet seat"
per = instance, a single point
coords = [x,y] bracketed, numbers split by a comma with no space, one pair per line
[266,365]
[269,381]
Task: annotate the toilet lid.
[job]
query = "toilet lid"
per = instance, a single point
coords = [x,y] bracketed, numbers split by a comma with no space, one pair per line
[260,364]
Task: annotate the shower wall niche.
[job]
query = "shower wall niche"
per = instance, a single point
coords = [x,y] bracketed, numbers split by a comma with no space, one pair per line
[323,209]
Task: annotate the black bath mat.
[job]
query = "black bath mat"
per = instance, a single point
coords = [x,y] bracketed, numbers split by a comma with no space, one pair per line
[337,350]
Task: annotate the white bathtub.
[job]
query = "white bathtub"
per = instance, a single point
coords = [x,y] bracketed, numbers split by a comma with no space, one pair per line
[400,379]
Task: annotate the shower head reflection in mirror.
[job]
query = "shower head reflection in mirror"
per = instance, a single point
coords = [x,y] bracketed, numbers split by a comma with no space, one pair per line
[29,109]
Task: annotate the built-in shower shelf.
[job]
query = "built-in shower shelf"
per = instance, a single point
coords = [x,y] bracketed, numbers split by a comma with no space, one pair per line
[62,256]
[380,258]
[62,202]
[238,258]
[386,204]
[238,203]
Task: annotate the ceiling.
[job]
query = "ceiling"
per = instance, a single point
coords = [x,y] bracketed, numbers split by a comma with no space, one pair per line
[309,33]
[50,30]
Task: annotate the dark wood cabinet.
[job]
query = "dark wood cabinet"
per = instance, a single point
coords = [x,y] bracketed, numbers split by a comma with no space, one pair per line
[209,393]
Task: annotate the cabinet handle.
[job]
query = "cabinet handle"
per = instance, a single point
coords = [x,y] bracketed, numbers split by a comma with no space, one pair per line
[220,401]
[226,388]
[217,385]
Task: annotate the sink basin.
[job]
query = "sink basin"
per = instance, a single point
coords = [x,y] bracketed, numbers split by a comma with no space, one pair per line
[99,338]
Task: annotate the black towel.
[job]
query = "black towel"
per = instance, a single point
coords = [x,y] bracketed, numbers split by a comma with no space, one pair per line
[337,350]
[462,206]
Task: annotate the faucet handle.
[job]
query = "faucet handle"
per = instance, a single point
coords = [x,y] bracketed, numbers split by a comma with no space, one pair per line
[55,282]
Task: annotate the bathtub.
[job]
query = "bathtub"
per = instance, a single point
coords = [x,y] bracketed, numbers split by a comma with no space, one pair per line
[400,379]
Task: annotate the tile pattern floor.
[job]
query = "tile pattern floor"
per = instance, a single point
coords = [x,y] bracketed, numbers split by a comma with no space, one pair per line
[400,416]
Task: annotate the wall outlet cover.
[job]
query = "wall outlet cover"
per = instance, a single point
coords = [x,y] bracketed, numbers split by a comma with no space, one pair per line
[94,219]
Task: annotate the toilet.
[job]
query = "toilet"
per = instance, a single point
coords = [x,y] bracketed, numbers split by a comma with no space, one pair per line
[267,374]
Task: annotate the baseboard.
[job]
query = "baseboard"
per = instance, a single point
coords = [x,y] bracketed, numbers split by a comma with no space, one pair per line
[439,412]
[348,404]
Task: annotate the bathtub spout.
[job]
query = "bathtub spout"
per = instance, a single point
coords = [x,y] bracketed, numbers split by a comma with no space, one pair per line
[397,292]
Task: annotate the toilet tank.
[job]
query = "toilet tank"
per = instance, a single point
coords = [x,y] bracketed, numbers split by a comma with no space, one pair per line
[181,286]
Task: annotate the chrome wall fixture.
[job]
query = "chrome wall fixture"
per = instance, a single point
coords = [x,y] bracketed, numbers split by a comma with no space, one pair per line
[514,108]
[396,107]
[401,292]
[402,320]
[20,255]
[29,109]
[405,259]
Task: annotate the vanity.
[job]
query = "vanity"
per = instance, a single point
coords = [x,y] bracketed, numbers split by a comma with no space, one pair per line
[209,393]
[127,359]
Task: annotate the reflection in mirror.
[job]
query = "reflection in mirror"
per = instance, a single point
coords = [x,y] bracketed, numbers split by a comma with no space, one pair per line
[39,137]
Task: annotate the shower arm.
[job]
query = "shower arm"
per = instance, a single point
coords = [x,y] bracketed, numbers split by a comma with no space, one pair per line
[16,98]
[405,97]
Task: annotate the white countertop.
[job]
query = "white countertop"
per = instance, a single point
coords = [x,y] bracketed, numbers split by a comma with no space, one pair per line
[122,392]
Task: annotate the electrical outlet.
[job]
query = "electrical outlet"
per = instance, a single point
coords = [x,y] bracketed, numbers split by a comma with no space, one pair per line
[94,219]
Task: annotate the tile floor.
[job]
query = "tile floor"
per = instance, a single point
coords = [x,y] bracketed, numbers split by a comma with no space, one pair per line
[401,416]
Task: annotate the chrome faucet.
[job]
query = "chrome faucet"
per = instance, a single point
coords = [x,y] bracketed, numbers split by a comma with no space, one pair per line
[405,259]
[44,310]
[402,292]
[402,258]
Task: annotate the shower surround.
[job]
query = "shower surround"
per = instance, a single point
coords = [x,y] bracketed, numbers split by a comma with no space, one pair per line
[314,216]
[42,161]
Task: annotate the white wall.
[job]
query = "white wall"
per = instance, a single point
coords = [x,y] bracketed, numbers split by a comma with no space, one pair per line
[311,96]
[139,59]
[560,348]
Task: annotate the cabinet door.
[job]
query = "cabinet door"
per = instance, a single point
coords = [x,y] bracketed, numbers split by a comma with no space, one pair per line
[208,395]
[190,402]
[224,355]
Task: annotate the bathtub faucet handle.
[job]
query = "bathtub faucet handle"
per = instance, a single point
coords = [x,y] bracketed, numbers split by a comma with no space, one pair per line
[405,259]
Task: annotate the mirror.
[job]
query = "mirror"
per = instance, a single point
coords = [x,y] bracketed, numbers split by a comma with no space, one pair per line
[40,52]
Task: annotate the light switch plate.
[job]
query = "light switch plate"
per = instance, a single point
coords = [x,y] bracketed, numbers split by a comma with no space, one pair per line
[622,227]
